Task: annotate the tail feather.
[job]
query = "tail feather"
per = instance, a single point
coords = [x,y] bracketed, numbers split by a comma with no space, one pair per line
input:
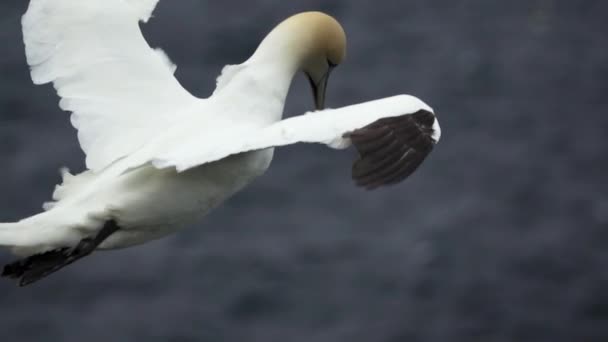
[39,266]
[32,236]
[13,234]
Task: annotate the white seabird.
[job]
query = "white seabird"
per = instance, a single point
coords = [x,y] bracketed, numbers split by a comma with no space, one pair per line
[159,158]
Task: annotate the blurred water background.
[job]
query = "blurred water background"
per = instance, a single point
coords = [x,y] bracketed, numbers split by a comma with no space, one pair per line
[501,235]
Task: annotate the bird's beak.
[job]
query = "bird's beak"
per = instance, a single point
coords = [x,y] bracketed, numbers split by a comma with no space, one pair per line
[319,89]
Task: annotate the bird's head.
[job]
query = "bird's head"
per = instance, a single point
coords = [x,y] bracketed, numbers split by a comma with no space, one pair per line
[315,43]
[325,50]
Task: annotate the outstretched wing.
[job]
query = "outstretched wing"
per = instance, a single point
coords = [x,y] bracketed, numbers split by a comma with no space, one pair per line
[393,136]
[119,90]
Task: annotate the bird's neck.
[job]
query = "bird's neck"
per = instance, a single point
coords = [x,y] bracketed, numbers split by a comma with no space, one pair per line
[256,92]
[259,83]
[263,81]
[290,44]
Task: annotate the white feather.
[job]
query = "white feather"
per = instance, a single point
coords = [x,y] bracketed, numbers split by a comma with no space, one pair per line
[121,91]
[143,8]
[325,127]
[228,72]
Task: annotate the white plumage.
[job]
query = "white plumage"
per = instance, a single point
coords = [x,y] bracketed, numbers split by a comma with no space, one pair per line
[157,157]
[121,91]
[324,127]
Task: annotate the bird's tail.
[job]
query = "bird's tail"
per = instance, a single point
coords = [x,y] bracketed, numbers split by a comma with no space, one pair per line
[31,235]
[12,234]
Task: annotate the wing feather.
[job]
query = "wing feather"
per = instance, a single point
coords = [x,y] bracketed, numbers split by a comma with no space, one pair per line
[393,136]
[119,90]
[404,143]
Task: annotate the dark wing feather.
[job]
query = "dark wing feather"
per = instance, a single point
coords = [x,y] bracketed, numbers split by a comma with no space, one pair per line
[391,149]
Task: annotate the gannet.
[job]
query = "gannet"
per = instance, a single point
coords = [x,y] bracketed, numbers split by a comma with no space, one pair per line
[159,158]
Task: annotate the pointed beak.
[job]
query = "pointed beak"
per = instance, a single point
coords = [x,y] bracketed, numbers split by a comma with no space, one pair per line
[319,89]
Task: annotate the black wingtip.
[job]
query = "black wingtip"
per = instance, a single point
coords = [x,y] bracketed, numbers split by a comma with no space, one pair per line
[391,149]
[36,267]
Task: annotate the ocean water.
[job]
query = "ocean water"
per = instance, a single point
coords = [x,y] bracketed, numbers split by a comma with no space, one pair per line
[501,235]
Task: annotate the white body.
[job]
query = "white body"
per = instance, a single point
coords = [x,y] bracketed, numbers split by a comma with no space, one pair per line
[147,202]
[159,158]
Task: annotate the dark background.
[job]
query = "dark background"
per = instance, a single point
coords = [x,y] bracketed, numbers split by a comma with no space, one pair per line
[501,235]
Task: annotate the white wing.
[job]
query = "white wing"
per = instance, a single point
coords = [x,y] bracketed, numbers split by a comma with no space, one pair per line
[393,136]
[121,91]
